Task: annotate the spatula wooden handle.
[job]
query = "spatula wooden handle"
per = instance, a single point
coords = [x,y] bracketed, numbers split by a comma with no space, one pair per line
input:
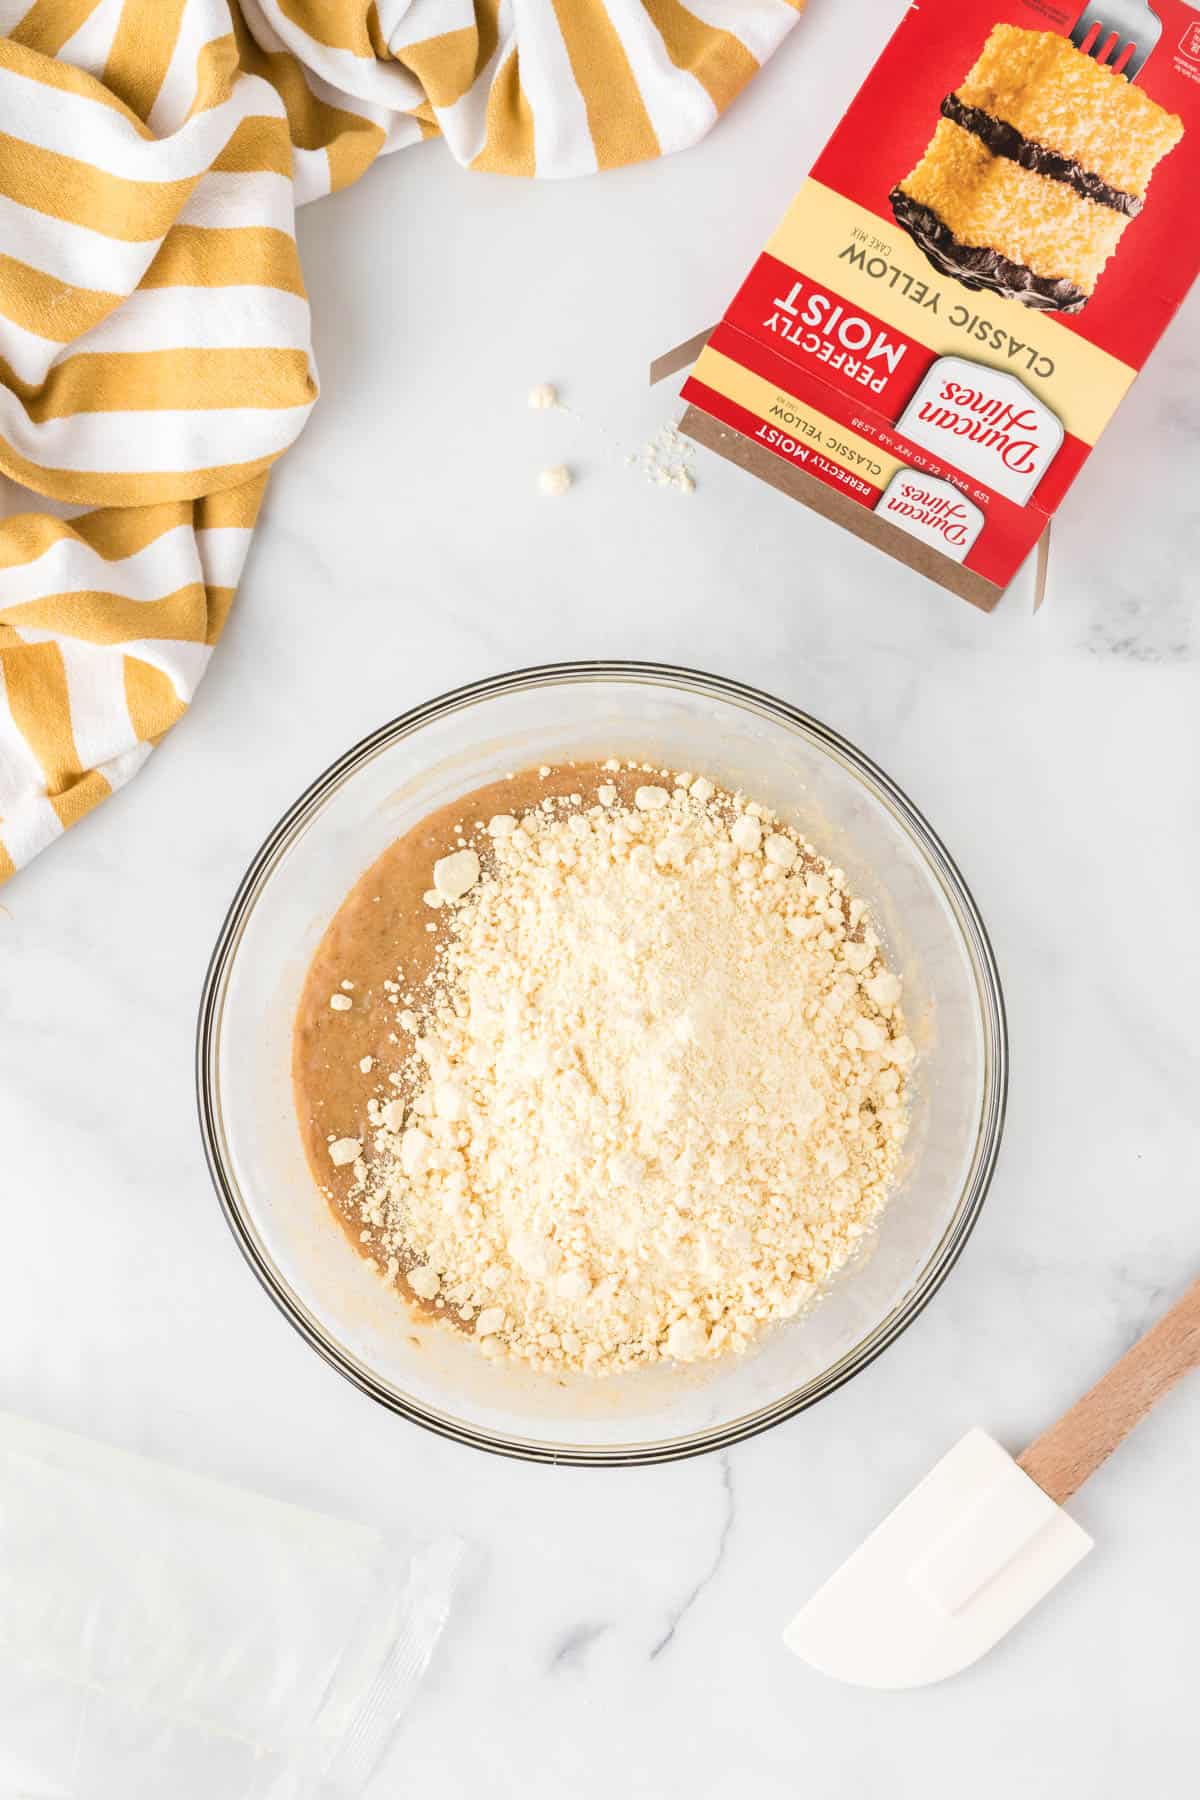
[1061,1460]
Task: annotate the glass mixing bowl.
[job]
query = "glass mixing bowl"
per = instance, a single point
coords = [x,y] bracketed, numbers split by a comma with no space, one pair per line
[430,756]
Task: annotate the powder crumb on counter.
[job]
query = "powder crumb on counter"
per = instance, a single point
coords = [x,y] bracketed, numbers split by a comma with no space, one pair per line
[543,397]
[555,481]
[340,1002]
[667,460]
[654,1090]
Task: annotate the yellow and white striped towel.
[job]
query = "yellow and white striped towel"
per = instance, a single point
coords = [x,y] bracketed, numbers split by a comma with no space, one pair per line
[155,355]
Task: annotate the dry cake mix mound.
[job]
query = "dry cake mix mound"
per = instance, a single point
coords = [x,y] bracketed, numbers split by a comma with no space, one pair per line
[650,1093]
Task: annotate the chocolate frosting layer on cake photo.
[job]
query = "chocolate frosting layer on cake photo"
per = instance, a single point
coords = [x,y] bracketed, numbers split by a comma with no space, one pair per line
[1003,139]
[978,268]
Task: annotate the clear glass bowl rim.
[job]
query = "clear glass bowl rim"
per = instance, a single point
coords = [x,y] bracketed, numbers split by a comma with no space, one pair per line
[941,865]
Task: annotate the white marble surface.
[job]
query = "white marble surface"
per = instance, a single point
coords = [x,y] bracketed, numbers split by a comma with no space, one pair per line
[622,1635]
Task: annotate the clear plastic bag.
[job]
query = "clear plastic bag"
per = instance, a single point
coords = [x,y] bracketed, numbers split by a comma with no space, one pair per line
[161,1634]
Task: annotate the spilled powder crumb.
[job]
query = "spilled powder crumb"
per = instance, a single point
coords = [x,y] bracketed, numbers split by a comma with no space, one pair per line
[668,460]
[555,481]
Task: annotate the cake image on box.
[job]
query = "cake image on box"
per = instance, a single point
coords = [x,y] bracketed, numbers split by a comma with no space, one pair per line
[1040,160]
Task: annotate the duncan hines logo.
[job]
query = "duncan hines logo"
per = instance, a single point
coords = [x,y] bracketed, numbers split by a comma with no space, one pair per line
[985,423]
[933,511]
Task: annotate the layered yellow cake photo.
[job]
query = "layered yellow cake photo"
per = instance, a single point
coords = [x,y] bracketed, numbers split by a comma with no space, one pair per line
[1040,160]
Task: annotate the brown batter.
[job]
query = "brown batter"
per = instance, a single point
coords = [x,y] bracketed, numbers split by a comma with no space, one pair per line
[380,935]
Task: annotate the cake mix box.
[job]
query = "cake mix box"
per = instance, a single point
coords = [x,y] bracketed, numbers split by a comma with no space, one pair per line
[961,293]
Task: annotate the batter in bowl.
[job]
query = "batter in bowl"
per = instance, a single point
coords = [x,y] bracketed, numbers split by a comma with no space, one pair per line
[603,1065]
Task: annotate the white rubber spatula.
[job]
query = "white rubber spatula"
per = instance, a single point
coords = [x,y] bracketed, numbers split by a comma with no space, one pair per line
[984,1536]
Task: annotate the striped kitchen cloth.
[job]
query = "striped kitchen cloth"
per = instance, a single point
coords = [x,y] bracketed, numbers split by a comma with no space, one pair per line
[155,355]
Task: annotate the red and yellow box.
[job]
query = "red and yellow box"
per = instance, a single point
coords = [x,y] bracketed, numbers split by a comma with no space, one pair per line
[960,295]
